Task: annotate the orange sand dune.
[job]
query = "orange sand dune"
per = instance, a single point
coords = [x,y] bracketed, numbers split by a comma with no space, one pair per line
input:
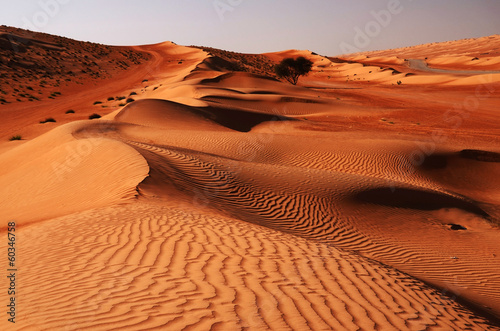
[464,62]
[219,197]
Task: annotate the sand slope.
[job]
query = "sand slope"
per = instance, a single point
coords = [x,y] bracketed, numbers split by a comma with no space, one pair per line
[146,266]
[223,199]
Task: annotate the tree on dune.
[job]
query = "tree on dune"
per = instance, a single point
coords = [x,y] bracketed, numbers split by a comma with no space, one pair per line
[291,69]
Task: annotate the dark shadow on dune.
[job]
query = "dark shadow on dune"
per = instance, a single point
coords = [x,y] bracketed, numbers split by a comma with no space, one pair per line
[228,75]
[479,155]
[239,120]
[300,100]
[435,161]
[219,64]
[416,199]
[262,92]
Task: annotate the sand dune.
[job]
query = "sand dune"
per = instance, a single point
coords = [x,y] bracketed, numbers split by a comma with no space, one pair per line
[211,195]
[145,266]
[451,60]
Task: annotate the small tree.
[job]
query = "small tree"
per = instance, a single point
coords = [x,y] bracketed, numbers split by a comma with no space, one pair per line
[291,69]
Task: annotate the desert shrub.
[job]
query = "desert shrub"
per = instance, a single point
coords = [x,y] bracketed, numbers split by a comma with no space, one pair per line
[111,98]
[291,69]
[97,103]
[71,111]
[132,93]
[129,100]
[121,98]
[94,116]
[16,137]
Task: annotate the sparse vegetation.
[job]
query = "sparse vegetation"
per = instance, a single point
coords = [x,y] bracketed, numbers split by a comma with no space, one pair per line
[16,137]
[71,111]
[129,100]
[132,93]
[233,61]
[67,61]
[97,103]
[111,98]
[94,116]
[291,69]
[399,82]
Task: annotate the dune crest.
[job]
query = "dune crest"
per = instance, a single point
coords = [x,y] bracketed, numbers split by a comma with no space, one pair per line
[205,193]
[72,175]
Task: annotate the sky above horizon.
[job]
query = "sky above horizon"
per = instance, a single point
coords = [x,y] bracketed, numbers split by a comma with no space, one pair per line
[327,27]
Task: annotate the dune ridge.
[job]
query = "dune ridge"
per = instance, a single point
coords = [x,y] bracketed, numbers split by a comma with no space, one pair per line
[211,195]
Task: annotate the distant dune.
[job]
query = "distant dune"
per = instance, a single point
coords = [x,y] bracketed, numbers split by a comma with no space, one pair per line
[208,194]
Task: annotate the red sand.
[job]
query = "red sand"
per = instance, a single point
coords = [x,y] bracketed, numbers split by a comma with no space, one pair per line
[227,200]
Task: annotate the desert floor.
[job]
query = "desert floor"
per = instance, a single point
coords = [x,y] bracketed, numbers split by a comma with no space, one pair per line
[210,195]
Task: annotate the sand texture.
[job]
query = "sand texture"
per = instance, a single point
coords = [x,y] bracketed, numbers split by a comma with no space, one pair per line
[209,195]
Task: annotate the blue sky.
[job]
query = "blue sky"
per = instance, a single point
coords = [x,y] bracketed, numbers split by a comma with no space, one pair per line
[328,27]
